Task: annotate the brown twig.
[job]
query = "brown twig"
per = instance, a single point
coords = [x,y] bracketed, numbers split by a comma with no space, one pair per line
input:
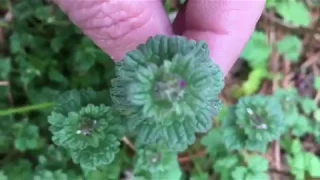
[316,72]
[277,155]
[287,81]
[274,64]
[282,172]
[128,143]
[312,60]
[310,37]
[187,158]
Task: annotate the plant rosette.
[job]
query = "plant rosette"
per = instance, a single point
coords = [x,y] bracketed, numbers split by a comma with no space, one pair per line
[261,117]
[168,89]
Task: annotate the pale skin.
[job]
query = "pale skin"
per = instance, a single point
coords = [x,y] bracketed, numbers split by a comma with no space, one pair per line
[118,26]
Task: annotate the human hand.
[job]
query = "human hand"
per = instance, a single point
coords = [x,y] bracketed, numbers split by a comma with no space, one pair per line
[118,26]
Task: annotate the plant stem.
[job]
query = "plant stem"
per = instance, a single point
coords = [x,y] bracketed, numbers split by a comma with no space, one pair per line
[245,156]
[25,109]
[195,163]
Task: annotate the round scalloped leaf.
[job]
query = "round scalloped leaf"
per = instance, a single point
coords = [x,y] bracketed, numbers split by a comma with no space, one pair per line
[79,130]
[93,157]
[73,100]
[86,129]
[50,175]
[234,136]
[261,117]
[168,88]
[154,164]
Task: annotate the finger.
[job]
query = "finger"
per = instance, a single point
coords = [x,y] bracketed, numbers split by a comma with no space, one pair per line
[226,25]
[117,26]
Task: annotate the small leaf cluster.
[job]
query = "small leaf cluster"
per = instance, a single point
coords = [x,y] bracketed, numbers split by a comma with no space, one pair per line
[91,132]
[257,54]
[300,113]
[293,12]
[256,168]
[258,50]
[156,165]
[252,123]
[302,164]
[233,166]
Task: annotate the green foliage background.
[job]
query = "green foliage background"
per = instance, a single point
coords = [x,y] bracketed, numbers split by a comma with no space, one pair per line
[45,54]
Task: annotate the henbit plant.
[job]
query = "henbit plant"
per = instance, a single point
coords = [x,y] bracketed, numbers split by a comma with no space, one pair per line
[253,123]
[163,93]
[62,58]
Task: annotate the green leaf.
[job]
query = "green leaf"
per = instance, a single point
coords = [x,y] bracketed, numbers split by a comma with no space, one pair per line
[308,105]
[261,117]
[224,165]
[50,175]
[294,12]
[15,44]
[5,68]
[92,134]
[290,47]
[57,76]
[233,137]
[258,164]
[202,176]
[301,126]
[4,177]
[239,173]
[256,176]
[304,162]
[257,50]
[153,164]
[297,165]
[53,157]
[214,142]
[110,172]
[296,147]
[313,166]
[316,115]
[21,169]
[271,3]
[27,137]
[255,78]
[57,43]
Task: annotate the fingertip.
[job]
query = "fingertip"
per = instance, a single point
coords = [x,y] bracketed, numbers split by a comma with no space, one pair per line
[118,26]
[225,25]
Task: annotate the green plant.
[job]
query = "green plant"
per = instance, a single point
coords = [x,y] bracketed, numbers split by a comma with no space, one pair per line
[293,12]
[302,164]
[253,123]
[163,93]
[104,121]
[290,47]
